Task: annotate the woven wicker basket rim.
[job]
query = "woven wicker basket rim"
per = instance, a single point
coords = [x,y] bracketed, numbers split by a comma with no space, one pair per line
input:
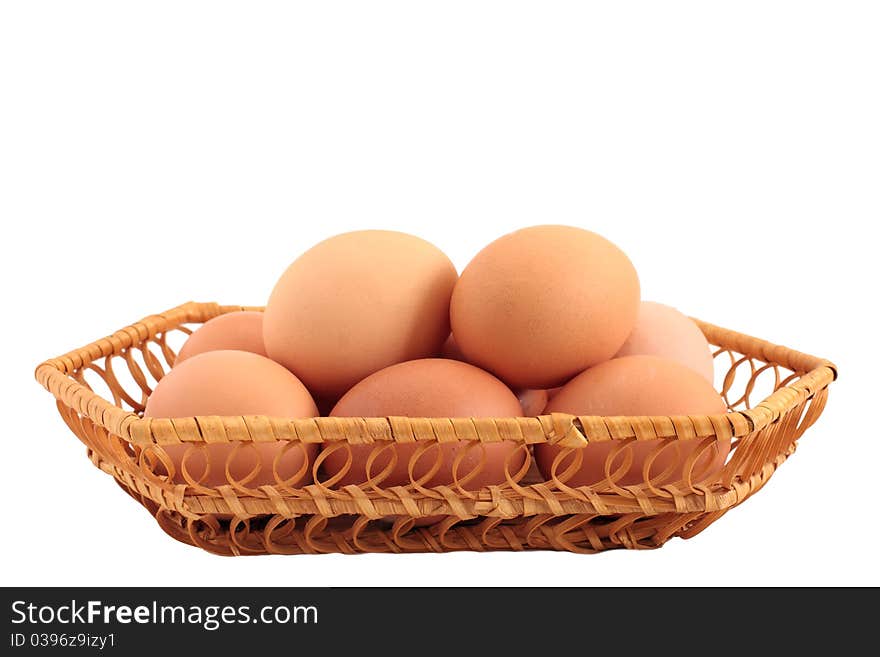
[558,428]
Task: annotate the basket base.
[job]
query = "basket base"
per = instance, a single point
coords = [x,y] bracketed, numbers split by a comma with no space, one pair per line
[354,534]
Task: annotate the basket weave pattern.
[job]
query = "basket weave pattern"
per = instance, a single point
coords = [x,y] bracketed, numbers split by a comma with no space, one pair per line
[773,394]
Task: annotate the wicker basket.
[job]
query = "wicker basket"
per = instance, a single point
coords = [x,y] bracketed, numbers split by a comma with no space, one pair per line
[773,394]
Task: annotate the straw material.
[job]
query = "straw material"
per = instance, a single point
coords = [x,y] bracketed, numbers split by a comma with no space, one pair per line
[774,394]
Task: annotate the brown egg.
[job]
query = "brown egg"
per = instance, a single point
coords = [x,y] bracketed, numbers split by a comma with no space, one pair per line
[228,382]
[431,387]
[242,331]
[539,305]
[356,303]
[636,385]
[663,331]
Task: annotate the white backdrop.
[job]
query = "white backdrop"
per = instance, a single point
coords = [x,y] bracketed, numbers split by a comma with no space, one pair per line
[158,153]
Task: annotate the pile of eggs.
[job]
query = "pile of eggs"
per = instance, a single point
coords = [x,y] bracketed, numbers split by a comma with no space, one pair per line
[374,323]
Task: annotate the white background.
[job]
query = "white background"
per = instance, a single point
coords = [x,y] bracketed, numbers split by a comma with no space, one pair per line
[161,152]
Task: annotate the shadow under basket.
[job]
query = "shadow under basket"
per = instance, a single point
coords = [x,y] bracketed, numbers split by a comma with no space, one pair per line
[773,395]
